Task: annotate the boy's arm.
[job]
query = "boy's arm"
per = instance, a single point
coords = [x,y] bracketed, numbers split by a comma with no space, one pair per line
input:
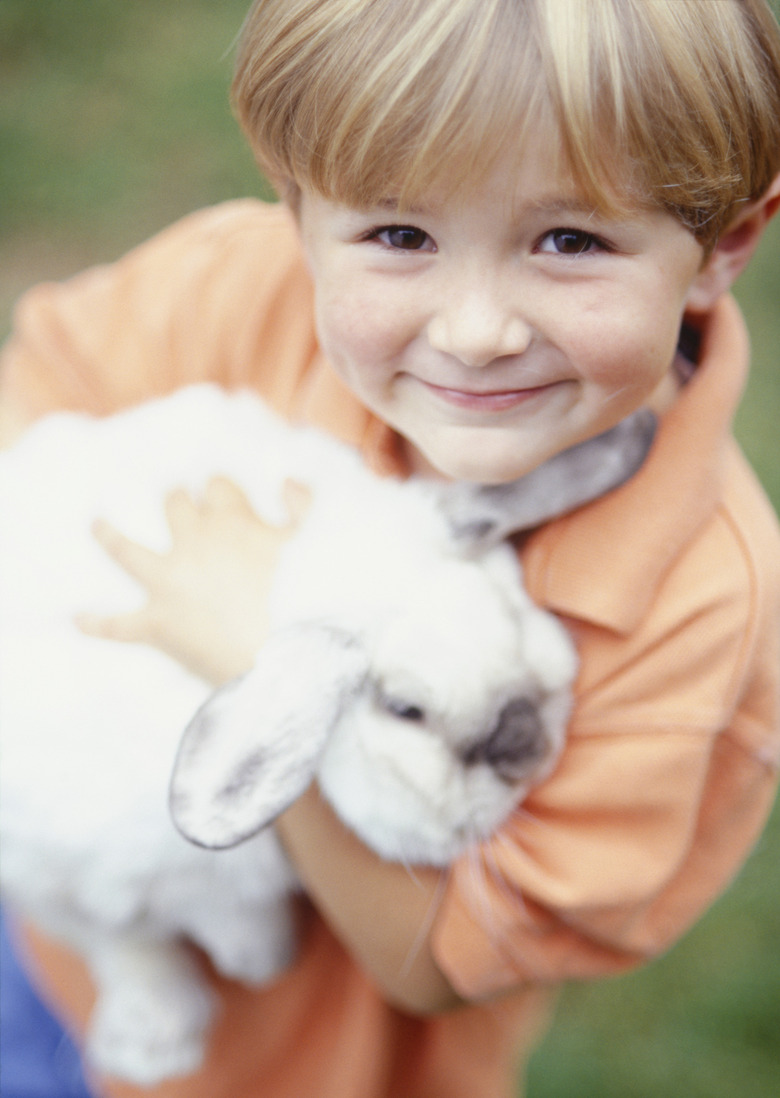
[667,780]
[382,912]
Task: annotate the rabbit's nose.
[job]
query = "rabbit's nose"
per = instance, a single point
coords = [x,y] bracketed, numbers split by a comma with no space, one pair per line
[517,742]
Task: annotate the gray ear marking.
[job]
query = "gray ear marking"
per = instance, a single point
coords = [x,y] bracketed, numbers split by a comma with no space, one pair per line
[255,745]
[483,515]
[241,782]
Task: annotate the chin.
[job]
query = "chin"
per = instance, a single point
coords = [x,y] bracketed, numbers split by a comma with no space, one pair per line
[472,465]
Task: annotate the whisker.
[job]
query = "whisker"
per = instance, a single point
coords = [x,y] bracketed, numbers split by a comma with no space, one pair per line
[528,817]
[411,871]
[503,884]
[425,926]
[480,886]
[616,393]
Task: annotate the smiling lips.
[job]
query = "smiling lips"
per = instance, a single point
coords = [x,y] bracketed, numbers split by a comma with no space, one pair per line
[495,401]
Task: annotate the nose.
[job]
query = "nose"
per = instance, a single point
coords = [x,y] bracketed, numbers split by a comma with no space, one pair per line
[475,324]
[517,743]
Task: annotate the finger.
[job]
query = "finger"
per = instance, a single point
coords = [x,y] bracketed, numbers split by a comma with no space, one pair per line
[224,494]
[128,628]
[181,511]
[138,561]
[297,499]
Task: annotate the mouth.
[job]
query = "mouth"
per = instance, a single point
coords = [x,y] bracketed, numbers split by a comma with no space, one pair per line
[493,400]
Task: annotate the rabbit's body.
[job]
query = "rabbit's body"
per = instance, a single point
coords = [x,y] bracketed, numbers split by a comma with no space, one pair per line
[407,670]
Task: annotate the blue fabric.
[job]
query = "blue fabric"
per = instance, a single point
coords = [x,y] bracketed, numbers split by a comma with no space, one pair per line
[37,1058]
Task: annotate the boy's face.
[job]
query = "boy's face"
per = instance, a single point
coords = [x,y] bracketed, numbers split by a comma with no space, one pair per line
[496,330]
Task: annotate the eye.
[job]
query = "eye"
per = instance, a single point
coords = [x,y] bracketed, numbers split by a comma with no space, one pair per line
[570,242]
[403,710]
[405,238]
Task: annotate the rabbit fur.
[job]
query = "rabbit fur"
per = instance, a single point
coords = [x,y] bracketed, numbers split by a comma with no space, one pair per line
[406,669]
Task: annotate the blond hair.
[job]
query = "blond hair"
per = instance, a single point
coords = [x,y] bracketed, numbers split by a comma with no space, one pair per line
[675,103]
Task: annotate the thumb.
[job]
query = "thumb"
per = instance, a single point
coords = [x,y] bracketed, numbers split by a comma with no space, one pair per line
[129,628]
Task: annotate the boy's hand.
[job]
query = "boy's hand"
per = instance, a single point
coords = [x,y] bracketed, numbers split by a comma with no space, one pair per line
[206,597]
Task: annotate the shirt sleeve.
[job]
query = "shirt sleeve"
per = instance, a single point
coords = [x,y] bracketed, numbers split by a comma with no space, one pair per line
[220,296]
[666,782]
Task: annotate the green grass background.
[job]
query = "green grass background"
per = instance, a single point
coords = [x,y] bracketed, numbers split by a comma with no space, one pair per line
[113,122]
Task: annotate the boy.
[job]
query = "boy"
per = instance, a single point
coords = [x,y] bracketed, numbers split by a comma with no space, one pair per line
[501,215]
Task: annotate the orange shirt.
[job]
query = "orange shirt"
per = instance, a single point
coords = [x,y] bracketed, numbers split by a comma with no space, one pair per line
[671,586]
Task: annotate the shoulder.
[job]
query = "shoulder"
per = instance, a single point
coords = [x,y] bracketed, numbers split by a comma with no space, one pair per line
[222,295]
[751,527]
[237,217]
[224,244]
[729,574]
[705,657]
[241,225]
[220,246]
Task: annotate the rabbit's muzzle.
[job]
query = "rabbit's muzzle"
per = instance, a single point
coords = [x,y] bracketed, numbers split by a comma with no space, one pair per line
[516,745]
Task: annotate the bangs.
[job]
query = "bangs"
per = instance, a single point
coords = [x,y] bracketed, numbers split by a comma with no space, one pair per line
[399,99]
[684,99]
[662,104]
[464,98]
[395,98]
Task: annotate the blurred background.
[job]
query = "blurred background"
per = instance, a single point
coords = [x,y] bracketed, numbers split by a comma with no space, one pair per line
[114,121]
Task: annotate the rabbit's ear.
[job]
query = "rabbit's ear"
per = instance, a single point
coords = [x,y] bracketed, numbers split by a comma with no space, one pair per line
[485,514]
[254,746]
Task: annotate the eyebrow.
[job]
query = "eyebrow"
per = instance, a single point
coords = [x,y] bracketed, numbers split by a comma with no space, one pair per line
[544,206]
[553,205]
[392,206]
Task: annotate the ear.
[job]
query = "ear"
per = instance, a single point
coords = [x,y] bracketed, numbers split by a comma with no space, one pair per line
[254,746]
[486,514]
[733,251]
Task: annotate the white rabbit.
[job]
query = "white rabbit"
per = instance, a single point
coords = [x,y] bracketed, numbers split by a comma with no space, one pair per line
[406,669]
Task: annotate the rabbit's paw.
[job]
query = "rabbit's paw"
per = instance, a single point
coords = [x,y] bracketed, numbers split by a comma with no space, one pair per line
[251,946]
[147,1034]
[259,960]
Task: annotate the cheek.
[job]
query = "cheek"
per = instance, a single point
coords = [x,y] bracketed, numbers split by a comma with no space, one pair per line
[628,347]
[358,326]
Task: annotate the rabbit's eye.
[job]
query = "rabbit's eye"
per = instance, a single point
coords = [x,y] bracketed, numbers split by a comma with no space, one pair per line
[404,710]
